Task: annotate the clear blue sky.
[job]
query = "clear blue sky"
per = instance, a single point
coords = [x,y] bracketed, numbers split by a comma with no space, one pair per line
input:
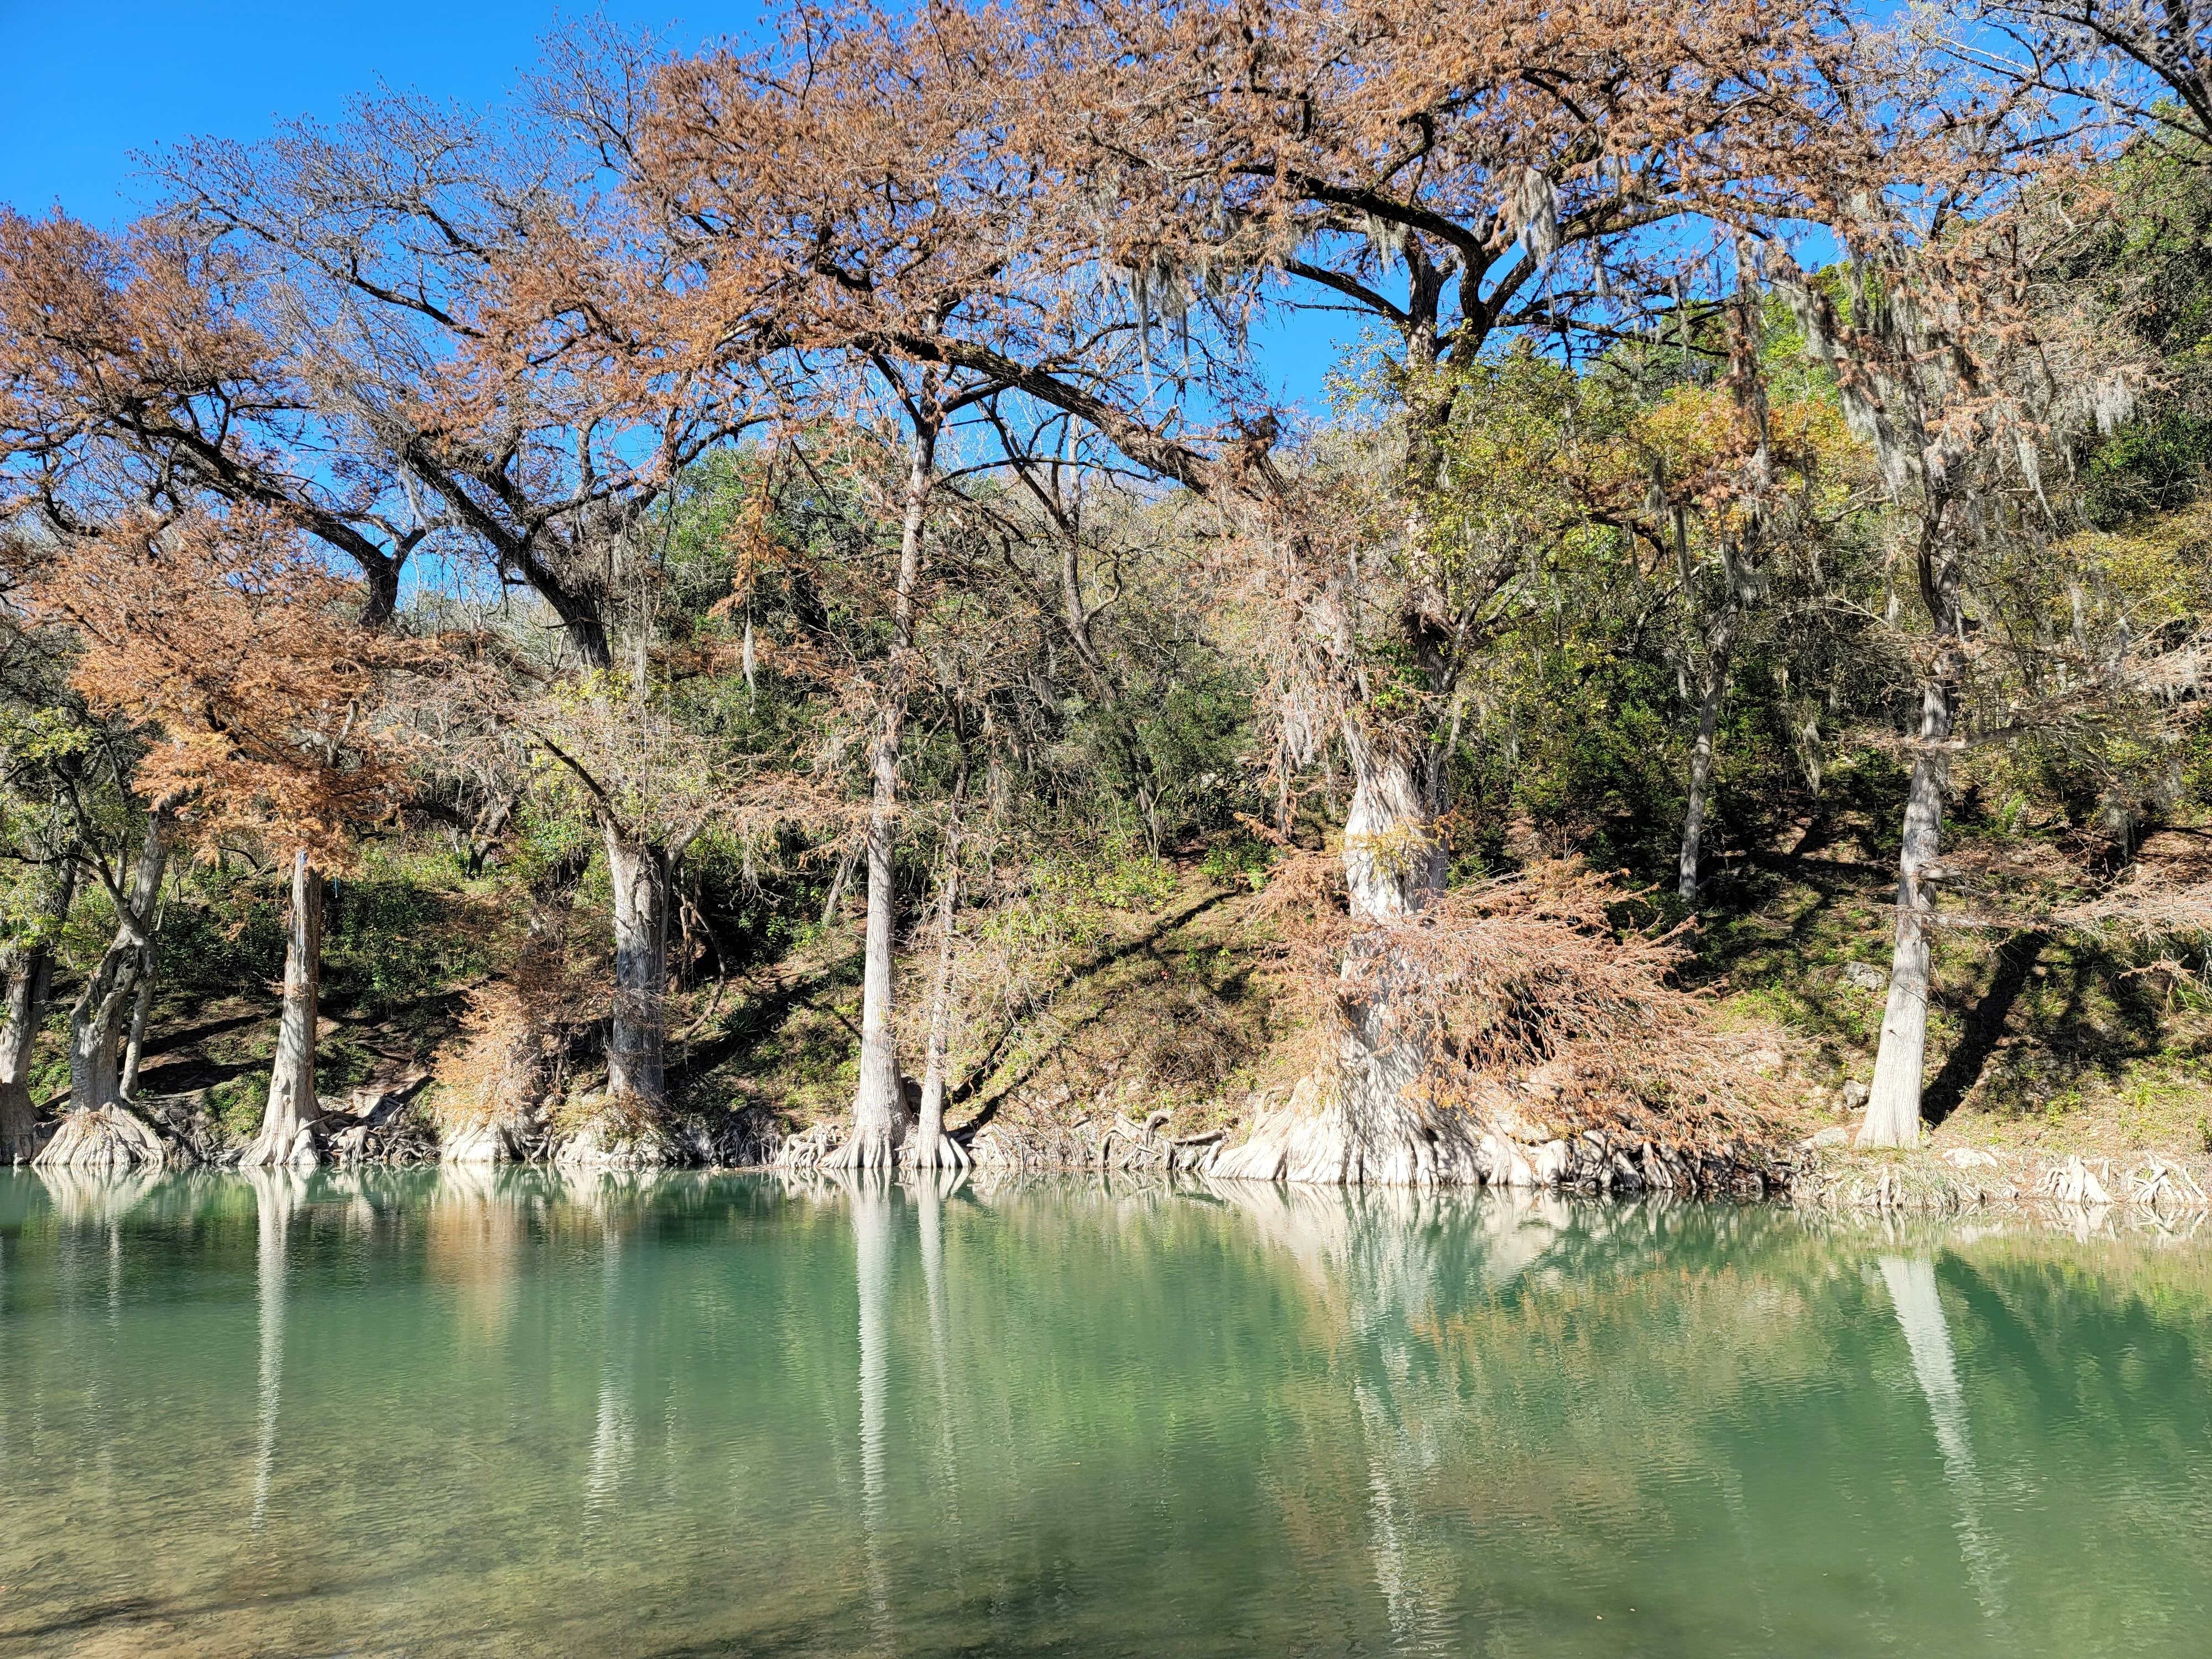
[84,83]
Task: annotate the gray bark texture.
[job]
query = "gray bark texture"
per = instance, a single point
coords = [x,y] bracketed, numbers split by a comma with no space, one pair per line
[96,1020]
[931,1148]
[1364,1124]
[1893,1111]
[101,1130]
[30,971]
[636,1038]
[287,1137]
[879,1117]
[141,1010]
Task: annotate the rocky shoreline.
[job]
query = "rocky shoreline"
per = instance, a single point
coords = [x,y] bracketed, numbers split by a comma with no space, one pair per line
[1820,1173]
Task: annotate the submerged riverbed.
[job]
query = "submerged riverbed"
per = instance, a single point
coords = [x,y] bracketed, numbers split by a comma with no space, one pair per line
[500,1412]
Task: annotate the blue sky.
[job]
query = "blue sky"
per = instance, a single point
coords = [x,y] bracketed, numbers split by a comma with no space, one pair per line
[83,85]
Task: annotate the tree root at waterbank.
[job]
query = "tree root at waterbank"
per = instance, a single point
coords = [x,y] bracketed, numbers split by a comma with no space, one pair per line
[105,1138]
[1310,1140]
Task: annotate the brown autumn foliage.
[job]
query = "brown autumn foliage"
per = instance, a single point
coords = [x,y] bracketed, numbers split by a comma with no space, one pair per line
[521,1029]
[1533,998]
[138,365]
[230,639]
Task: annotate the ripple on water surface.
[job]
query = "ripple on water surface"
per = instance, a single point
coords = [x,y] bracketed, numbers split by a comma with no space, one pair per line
[443,1415]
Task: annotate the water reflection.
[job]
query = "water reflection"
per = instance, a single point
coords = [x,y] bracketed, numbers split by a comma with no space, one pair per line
[543,1415]
[931,1188]
[868,1196]
[1912,1282]
[277,1194]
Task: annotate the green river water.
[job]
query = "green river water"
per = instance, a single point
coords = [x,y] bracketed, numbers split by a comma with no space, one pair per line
[501,1413]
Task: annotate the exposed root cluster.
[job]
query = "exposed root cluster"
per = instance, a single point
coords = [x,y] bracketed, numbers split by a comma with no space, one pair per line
[1312,1139]
[938,1152]
[104,1138]
[613,1132]
[1963,1178]
[864,1152]
[282,1149]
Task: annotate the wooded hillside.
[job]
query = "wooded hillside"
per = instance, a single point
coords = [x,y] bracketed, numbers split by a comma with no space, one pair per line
[766,605]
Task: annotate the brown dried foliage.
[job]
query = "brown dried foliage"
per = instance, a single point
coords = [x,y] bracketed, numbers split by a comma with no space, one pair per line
[229,638]
[1534,1002]
[522,1031]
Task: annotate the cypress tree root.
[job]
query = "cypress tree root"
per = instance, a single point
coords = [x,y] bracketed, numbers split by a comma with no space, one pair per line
[104,1138]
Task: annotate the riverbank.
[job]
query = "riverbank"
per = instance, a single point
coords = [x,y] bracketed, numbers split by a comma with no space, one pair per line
[1136,1026]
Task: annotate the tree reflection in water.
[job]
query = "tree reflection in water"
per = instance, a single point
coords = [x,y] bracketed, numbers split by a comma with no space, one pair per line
[553,1415]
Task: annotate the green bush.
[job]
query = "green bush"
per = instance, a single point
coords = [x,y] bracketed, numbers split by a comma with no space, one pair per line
[239,1104]
[1243,861]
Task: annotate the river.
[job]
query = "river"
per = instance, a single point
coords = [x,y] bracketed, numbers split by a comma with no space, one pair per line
[501,1412]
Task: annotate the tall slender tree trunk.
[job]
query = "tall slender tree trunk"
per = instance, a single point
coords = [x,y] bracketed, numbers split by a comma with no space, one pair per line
[1892,1112]
[1701,775]
[932,1148]
[878,1124]
[287,1137]
[636,1061]
[141,1010]
[30,971]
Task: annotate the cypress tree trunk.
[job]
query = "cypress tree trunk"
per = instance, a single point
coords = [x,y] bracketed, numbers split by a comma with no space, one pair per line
[1701,774]
[636,1064]
[287,1137]
[1393,865]
[141,1010]
[880,1106]
[30,970]
[878,1113]
[101,1130]
[931,1149]
[1361,1125]
[1893,1113]
[96,1019]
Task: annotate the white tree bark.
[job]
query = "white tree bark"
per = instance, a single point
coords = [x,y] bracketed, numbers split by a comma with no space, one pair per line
[1701,775]
[1893,1113]
[931,1147]
[636,1038]
[880,1117]
[30,970]
[286,1135]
